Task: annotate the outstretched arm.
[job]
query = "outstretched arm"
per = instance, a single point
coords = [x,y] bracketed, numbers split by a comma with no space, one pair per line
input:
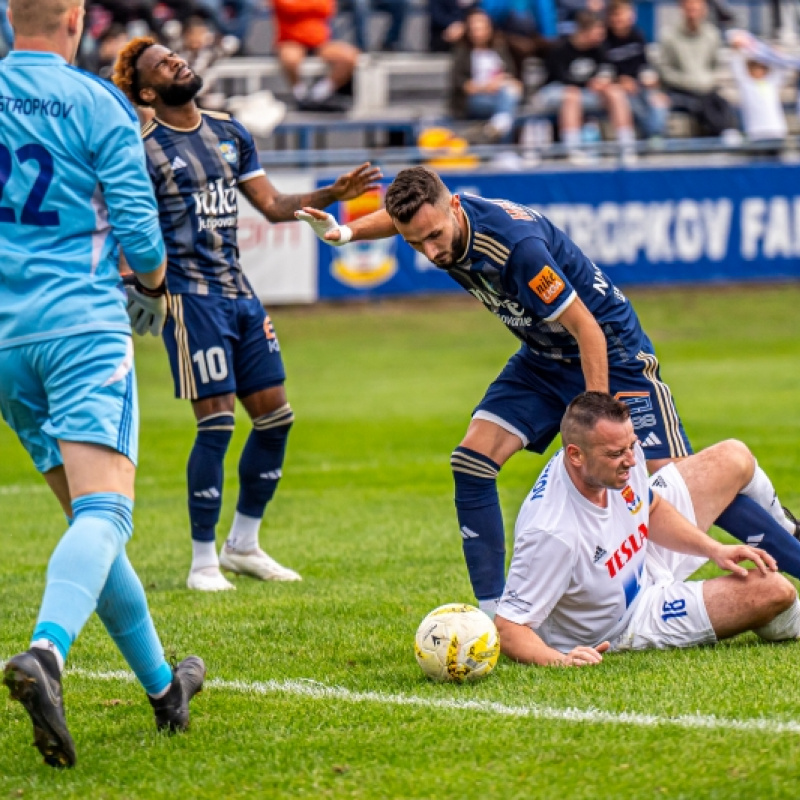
[278,207]
[377,225]
[521,644]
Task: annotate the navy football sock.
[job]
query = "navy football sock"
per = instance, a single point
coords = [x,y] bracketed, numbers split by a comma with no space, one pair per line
[262,460]
[480,521]
[205,474]
[746,521]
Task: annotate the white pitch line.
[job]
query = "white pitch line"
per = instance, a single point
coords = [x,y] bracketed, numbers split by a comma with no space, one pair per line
[320,691]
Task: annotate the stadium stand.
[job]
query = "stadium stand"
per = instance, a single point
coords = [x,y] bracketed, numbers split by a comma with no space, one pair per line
[396,96]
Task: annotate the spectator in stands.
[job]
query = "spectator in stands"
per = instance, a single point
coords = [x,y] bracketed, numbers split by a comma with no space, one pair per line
[125,12]
[446,19]
[524,24]
[362,11]
[482,83]
[689,57]
[199,45]
[109,46]
[759,84]
[626,51]
[230,17]
[579,80]
[303,27]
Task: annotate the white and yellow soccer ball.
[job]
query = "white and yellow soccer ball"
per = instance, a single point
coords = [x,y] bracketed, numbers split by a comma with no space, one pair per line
[457,642]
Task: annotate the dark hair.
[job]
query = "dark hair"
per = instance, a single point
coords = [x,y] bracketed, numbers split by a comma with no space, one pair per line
[196,22]
[616,5]
[412,189]
[586,410]
[475,11]
[586,20]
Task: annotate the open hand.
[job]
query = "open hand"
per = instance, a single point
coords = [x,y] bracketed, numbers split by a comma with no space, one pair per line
[355,183]
[325,226]
[728,557]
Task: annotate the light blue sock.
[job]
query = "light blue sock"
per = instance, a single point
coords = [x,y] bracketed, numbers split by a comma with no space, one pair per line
[123,609]
[102,524]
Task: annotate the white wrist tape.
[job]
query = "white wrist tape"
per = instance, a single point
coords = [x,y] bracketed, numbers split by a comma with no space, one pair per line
[345,235]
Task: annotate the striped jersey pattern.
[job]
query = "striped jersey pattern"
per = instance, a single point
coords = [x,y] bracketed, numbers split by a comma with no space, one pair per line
[196,174]
[527,273]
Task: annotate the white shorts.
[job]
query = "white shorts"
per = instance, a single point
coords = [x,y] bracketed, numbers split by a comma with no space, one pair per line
[671,612]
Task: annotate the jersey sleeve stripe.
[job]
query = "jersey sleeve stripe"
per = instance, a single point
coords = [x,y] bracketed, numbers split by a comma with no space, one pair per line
[490,242]
[562,308]
[250,175]
[149,128]
[500,260]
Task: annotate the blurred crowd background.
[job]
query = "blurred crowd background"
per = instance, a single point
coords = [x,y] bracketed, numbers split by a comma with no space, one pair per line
[598,73]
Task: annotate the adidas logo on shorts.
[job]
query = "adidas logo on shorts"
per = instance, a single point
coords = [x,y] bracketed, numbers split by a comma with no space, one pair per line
[659,481]
[651,440]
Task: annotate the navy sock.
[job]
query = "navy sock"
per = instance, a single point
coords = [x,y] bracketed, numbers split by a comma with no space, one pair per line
[205,474]
[480,521]
[262,460]
[746,521]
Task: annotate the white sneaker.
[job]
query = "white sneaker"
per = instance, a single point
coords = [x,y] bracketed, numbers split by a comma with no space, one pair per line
[208,579]
[255,563]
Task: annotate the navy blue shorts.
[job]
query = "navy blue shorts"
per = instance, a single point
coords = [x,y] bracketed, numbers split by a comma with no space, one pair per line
[221,345]
[529,397]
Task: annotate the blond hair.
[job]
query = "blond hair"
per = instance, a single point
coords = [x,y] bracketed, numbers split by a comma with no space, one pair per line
[39,17]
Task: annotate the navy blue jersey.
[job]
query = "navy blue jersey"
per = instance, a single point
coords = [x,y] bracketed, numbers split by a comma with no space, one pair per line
[195,174]
[527,272]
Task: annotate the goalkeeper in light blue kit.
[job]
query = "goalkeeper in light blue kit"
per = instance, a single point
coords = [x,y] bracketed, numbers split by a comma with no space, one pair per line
[74,189]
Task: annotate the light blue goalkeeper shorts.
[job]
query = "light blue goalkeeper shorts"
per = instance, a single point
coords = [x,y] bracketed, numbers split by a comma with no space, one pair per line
[75,389]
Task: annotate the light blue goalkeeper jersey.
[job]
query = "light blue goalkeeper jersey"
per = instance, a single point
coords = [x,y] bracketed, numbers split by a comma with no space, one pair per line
[73,188]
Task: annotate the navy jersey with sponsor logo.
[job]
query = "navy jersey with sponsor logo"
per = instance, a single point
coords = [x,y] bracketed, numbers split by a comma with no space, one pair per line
[527,273]
[195,174]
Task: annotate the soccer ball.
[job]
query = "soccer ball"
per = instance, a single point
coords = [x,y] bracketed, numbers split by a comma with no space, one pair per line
[457,642]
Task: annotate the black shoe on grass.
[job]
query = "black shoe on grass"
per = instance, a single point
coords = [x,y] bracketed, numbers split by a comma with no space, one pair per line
[33,679]
[172,710]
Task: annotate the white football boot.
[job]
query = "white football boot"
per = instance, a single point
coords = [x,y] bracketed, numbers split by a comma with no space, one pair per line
[208,579]
[255,563]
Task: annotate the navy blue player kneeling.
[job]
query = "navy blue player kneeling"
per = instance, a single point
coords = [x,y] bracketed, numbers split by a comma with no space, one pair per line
[220,341]
[577,331]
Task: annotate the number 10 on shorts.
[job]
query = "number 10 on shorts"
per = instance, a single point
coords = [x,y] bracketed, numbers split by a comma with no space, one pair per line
[211,364]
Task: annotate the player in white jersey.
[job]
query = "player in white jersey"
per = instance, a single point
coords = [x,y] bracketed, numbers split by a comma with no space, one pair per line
[73,190]
[602,552]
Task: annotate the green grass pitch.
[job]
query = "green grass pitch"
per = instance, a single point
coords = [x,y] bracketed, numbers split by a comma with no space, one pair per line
[314,690]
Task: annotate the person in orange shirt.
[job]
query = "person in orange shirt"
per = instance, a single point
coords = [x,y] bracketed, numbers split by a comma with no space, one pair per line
[303,27]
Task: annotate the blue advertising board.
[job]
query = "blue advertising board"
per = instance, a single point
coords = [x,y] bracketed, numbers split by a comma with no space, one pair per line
[642,226]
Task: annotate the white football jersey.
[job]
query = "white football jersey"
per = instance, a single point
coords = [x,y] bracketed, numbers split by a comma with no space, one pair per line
[578,569]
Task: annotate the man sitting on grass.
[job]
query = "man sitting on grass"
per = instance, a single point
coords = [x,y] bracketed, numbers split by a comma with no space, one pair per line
[602,552]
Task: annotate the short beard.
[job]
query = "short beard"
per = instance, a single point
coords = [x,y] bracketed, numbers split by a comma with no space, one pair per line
[456,249]
[180,94]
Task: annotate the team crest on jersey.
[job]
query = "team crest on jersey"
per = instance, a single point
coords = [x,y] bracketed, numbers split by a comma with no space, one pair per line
[229,151]
[631,499]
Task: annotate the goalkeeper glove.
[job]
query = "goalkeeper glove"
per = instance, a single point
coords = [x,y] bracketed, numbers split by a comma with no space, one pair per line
[147,308]
[322,226]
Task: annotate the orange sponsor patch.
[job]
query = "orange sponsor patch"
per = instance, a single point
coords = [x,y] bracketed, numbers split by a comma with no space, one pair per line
[548,285]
